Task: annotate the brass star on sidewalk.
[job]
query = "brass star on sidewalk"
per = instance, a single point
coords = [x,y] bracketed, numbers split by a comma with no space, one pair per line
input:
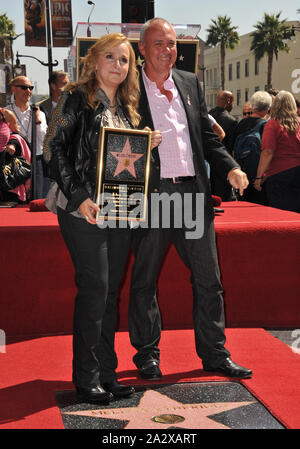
[158,411]
[126,159]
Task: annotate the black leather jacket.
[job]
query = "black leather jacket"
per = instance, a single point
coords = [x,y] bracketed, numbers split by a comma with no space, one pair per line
[71,147]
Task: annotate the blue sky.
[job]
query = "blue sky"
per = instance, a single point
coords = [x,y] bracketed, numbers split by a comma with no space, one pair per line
[243,14]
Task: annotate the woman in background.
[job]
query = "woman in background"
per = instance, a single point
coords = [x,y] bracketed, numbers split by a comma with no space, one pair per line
[279,165]
[12,145]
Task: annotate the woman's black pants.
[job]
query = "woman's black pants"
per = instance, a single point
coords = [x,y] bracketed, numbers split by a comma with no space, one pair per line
[99,257]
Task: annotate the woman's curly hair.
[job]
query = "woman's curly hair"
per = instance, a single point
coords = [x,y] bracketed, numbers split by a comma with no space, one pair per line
[128,91]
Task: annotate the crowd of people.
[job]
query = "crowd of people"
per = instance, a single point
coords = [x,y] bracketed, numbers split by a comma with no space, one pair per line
[272,163]
[169,103]
[30,123]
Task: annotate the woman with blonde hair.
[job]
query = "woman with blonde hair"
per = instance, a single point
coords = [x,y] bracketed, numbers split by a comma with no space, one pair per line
[106,94]
[279,165]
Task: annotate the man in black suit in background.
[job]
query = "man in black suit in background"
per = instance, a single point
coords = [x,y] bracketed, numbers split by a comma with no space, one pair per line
[172,102]
[57,81]
[221,113]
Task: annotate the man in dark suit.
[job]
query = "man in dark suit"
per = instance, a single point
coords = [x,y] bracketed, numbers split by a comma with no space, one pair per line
[172,102]
[221,113]
[57,81]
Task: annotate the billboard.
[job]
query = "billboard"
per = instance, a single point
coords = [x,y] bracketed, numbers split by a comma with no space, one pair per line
[35,15]
[61,21]
[35,23]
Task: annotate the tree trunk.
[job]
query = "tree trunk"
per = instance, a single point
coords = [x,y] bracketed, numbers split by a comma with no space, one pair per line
[270,66]
[222,66]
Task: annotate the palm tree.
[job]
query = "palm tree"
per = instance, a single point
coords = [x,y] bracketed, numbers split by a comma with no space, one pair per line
[6,31]
[268,38]
[222,32]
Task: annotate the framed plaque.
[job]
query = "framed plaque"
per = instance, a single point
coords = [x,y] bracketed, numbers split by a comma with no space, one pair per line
[123,169]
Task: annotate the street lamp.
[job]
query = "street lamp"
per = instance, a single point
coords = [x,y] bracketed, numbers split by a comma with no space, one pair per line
[49,39]
[50,64]
[88,31]
[47,64]
[11,39]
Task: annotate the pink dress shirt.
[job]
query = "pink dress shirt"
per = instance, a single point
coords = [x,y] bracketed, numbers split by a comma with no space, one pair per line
[175,150]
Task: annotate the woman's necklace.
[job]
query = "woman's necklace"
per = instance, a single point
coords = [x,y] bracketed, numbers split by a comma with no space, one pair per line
[115,118]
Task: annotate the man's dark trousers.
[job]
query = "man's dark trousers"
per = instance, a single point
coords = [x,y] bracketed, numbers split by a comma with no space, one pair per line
[200,256]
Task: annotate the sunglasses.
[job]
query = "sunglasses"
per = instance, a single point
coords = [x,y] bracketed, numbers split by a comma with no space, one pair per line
[247,113]
[23,87]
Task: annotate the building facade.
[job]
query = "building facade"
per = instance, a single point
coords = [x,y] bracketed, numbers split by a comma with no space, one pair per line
[244,75]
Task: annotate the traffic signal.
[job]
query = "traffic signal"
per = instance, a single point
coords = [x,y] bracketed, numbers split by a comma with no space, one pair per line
[137,11]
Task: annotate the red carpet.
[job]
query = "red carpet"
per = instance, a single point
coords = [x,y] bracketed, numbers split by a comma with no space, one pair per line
[259,257]
[32,370]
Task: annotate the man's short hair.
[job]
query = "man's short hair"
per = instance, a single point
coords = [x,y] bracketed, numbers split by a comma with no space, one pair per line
[146,25]
[261,101]
[56,75]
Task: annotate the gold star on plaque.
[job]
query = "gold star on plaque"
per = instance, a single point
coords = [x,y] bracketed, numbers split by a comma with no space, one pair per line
[126,159]
[181,58]
[158,411]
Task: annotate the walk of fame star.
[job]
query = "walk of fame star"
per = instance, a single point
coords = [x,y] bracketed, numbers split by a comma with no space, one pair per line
[153,405]
[126,159]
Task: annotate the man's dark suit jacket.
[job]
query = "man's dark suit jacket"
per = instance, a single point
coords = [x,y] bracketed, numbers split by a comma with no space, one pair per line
[228,123]
[205,144]
[47,107]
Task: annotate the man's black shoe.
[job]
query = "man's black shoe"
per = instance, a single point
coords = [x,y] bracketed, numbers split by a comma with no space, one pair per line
[150,371]
[231,369]
[94,394]
[118,390]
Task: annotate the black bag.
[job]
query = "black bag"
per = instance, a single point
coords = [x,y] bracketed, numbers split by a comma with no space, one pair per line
[14,173]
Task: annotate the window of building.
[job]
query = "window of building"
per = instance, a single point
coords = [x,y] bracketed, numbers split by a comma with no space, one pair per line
[246,94]
[256,67]
[246,67]
[256,89]
[215,76]
[238,97]
[230,72]
[238,70]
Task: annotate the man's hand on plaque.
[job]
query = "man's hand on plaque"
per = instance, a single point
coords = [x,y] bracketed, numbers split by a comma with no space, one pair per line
[156,137]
